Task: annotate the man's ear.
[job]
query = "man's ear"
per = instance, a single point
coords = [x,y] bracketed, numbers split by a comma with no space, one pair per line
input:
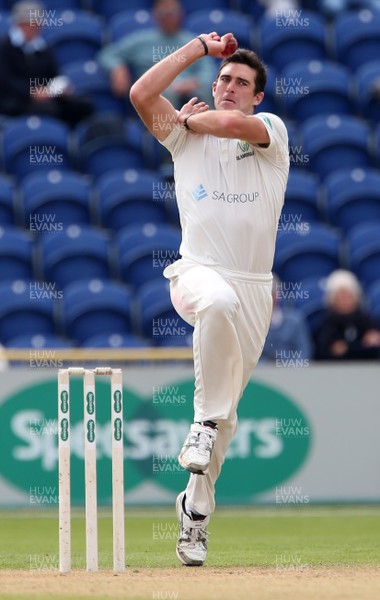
[258,98]
[213,88]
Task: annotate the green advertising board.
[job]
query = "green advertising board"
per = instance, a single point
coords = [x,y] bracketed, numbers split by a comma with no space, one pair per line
[272,442]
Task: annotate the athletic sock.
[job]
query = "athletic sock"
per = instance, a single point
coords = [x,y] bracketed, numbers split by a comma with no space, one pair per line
[193,513]
[211,424]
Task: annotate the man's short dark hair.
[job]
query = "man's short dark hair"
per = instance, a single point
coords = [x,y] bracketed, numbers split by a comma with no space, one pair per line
[250,58]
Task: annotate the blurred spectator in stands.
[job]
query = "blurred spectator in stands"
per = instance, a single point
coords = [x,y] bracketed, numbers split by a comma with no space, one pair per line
[288,334]
[274,8]
[31,82]
[127,59]
[347,331]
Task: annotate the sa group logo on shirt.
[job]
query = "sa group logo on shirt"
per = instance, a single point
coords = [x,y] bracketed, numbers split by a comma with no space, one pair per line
[199,193]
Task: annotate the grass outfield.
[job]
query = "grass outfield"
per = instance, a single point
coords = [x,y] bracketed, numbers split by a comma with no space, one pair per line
[262,537]
[300,553]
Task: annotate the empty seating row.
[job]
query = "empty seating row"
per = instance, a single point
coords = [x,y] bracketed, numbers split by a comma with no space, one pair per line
[35,145]
[51,201]
[136,255]
[139,254]
[89,313]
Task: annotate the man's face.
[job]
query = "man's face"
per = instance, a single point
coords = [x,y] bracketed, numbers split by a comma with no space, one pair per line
[168,16]
[235,89]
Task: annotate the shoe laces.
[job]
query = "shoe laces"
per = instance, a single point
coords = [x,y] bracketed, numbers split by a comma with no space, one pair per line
[194,535]
[202,441]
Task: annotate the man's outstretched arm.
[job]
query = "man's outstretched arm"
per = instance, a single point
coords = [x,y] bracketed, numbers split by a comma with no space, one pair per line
[145,94]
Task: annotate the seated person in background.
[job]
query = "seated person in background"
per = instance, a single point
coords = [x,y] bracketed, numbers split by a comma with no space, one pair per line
[347,331]
[288,336]
[29,73]
[127,59]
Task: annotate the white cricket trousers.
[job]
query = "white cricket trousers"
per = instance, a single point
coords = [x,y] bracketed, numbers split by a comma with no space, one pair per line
[230,313]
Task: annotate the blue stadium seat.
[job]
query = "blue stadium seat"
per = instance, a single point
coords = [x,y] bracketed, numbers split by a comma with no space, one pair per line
[77,253]
[270,102]
[126,22]
[102,149]
[191,6]
[21,312]
[309,88]
[373,299]
[285,38]
[109,8]
[7,202]
[38,341]
[353,197]
[127,197]
[301,201]
[16,255]
[255,9]
[222,21]
[303,254]
[356,37]
[157,317]
[115,340]
[336,142]
[54,199]
[96,307]
[79,36]
[35,143]
[363,249]
[145,250]
[5,21]
[87,77]
[368,90]
[311,302]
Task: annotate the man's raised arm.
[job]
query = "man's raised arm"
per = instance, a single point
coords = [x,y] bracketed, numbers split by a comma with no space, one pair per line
[145,94]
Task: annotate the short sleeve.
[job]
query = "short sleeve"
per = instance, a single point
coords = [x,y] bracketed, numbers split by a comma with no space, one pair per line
[278,150]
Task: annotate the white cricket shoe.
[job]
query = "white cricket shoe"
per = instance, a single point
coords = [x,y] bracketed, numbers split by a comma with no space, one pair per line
[196,452]
[192,541]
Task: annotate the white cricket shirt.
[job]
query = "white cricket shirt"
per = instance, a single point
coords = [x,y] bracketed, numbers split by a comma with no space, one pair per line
[230,195]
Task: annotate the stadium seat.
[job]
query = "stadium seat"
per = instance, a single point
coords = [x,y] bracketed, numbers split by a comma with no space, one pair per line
[5,21]
[54,199]
[373,299]
[126,22]
[363,250]
[352,197]
[356,37]
[270,102]
[106,143]
[35,143]
[16,254]
[222,21]
[157,317]
[21,311]
[191,6]
[109,8]
[255,9]
[96,307]
[7,202]
[79,36]
[115,340]
[145,250]
[39,341]
[301,201]
[127,197]
[336,142]
[310,301]
[314,252]
[87,77]
[285,38]
[77,253]
[309,88]
[368,90]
